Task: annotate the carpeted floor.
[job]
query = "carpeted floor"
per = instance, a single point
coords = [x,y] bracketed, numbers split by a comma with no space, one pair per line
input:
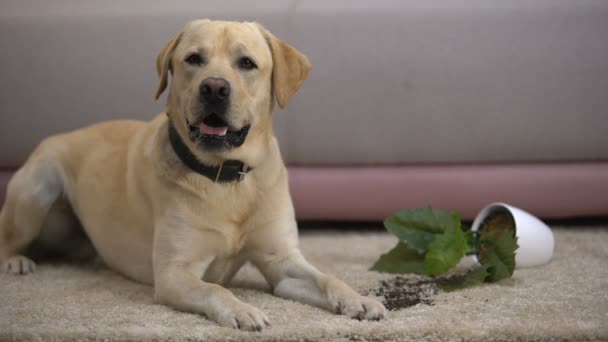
[565,300]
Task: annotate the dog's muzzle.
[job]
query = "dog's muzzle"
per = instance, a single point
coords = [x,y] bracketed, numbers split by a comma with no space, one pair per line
[214,133]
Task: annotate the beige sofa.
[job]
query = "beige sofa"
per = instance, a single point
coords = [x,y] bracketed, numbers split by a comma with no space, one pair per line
[453,104]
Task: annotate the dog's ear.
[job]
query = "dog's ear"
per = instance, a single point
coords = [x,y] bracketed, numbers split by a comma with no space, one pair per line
[290,67]
[163,63]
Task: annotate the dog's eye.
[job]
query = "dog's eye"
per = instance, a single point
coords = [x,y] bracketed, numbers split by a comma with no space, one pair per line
[247,63]
[194,59]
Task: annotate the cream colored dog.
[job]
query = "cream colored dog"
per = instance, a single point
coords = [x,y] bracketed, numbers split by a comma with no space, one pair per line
[183,201]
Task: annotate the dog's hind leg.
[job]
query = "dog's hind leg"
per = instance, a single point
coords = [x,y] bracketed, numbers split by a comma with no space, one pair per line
[62,236]
[31,193]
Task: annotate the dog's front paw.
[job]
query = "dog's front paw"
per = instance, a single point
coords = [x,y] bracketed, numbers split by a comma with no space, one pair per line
[359,307]
[244,317]
[346,301]
[18,264]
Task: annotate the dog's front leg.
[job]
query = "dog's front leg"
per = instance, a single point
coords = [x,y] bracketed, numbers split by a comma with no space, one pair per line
[178,269]
[180,288]
[292,277]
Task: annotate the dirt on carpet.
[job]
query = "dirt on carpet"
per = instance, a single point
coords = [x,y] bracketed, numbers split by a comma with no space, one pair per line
[400,292]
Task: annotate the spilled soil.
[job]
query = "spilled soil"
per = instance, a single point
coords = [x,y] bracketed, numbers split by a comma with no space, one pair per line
[400,292]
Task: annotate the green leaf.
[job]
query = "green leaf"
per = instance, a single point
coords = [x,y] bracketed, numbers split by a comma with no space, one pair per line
[418,227]
[427,219]
[401,259]
[472,278]
[496,269]
[416,239]
[506,245]
[476,276]
[471,241]
[446,250]
[498,255]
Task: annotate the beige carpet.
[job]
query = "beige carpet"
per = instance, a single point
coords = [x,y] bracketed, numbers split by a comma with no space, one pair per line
[565,300]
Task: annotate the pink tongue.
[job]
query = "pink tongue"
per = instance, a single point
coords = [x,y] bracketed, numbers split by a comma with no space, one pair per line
[221,131]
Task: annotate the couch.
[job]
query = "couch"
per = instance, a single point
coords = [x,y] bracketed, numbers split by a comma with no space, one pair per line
[453,104]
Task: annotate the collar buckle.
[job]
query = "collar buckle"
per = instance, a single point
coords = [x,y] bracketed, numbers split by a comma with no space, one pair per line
[243,172]
[219,172]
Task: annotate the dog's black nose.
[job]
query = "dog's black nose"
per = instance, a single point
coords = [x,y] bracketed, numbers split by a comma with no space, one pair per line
[214,90]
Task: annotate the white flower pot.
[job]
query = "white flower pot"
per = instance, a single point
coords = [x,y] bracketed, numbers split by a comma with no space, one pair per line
[534,237]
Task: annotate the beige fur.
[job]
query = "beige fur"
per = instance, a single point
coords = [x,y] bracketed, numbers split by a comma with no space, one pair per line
[154,220]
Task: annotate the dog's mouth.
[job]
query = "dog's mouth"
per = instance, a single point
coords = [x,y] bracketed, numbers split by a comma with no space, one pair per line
[215,133]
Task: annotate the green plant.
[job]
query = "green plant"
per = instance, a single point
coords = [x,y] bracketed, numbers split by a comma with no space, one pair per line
[432,241]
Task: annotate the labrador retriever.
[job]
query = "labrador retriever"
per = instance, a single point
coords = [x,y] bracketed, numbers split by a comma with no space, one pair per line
[183,201]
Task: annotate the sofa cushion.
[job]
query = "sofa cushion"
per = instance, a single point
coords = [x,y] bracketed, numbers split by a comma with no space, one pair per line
[393,82]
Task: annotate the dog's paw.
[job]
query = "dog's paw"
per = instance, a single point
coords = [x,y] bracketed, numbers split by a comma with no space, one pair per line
[359,307]
[18,264]
[244,317]
[374,310]
[346,301]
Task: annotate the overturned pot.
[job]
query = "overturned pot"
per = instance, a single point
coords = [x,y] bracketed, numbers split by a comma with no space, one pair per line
[534,237]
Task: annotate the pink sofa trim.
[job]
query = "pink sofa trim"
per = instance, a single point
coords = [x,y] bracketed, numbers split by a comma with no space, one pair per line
[558,190]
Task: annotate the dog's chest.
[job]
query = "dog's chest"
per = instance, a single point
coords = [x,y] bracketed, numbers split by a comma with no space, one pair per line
[231,256]
[235,237]
[228,216]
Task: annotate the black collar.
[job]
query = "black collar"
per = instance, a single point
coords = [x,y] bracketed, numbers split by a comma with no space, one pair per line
[229,171]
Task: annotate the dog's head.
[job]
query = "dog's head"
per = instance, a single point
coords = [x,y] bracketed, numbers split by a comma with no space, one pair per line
[225,76]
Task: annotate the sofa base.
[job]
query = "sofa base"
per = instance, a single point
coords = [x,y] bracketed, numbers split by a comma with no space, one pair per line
[371,193]
[560,190]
